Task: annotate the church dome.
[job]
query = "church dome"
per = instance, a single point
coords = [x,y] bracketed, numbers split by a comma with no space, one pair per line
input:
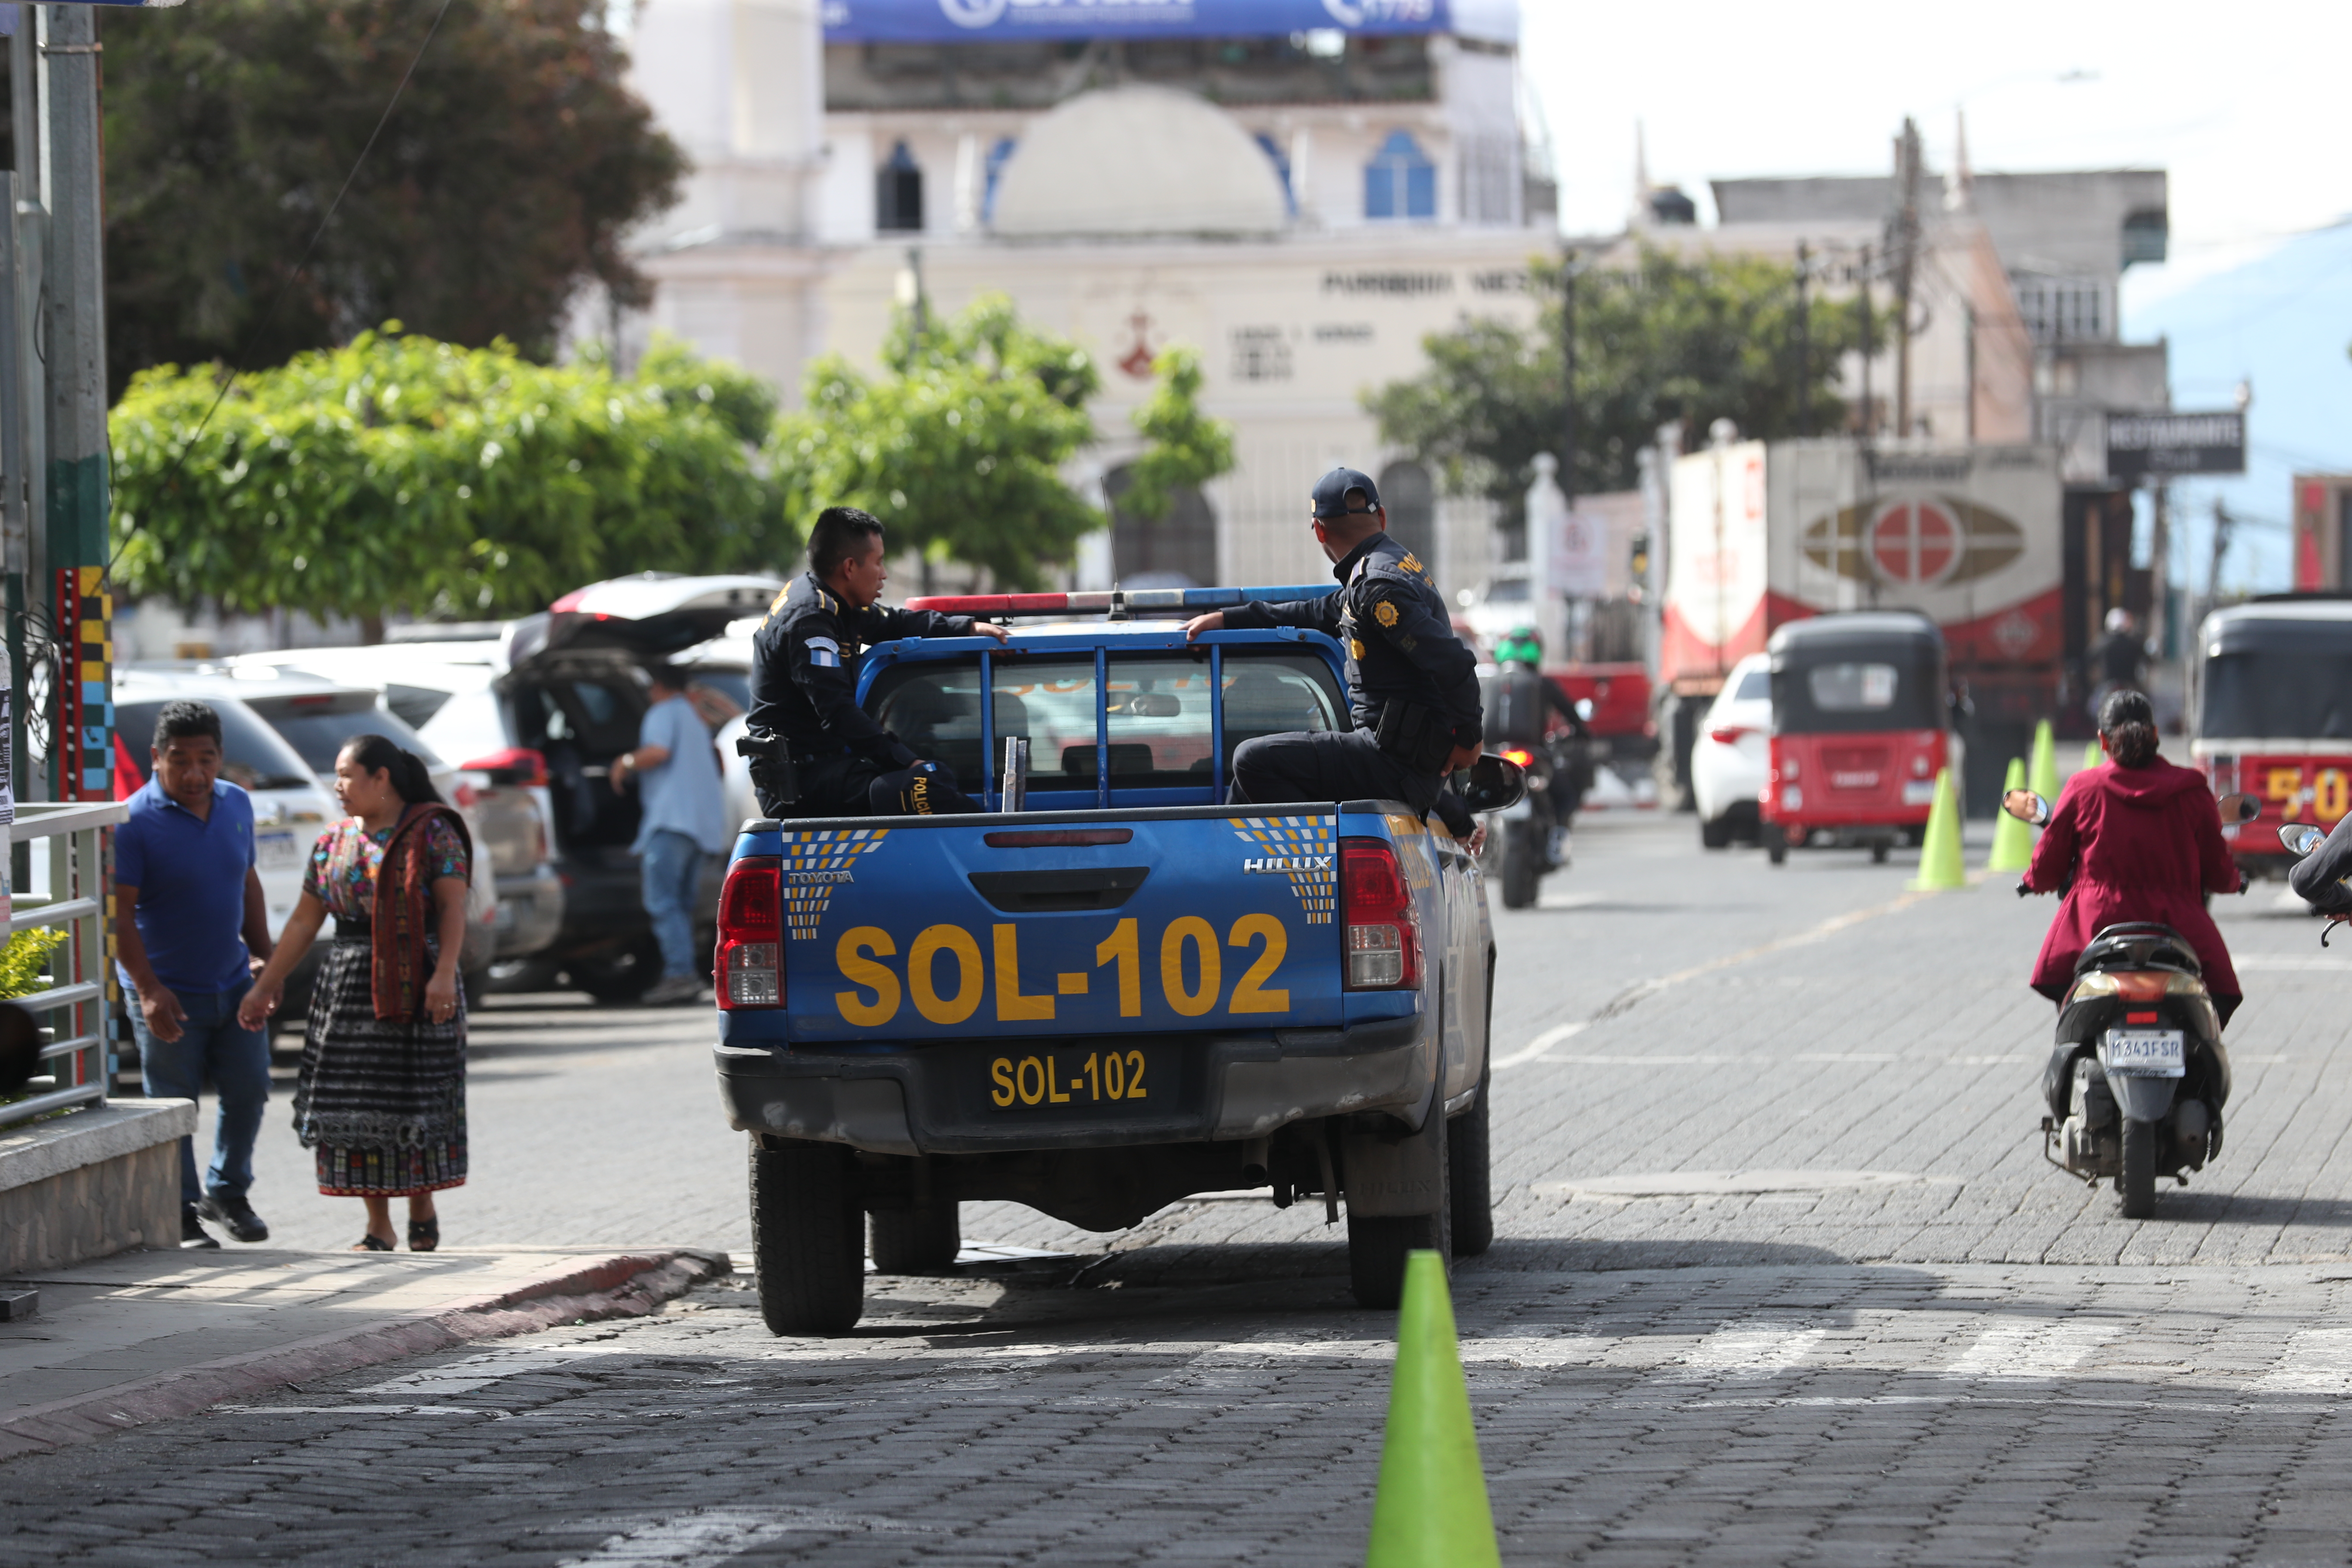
[1133,160]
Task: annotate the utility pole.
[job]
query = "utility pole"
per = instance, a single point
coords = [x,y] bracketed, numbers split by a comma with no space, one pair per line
[1869,348]
[1568,376]
[74,341]
[2224,526]
[25,512]
[1804,344]
[1904,244]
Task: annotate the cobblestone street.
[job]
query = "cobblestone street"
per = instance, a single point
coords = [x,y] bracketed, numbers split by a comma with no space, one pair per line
[1780,1277]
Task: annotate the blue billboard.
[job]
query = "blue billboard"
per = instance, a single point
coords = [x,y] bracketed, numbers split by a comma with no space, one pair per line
[998,21]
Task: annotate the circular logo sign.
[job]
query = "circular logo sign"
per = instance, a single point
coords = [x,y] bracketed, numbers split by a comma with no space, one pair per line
[973,12]
[1913,541]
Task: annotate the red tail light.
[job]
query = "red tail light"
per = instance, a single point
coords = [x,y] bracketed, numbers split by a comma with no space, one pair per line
[750,964]
[515,765]
[1519,755]
[1384,934]
[1730,735]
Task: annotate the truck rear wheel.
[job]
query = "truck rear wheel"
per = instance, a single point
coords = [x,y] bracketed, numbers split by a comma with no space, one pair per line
[805,1236]
[921,1239]
[1468,1190]
[1377,1244]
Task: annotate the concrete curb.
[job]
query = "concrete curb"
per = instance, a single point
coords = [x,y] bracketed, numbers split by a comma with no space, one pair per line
[626,1284]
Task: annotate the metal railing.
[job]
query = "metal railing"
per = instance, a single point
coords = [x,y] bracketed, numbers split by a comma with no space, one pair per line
[74,1009]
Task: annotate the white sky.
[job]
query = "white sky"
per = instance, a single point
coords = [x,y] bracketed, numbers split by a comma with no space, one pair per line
[2244,104]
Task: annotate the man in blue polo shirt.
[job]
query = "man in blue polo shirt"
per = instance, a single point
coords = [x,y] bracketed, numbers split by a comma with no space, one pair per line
[189,919]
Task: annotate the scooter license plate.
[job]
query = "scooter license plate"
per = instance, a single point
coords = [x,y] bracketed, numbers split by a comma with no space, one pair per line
[2145,1053]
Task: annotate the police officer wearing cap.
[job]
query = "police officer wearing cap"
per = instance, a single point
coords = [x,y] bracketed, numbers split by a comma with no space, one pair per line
[814,753]
[1412,686]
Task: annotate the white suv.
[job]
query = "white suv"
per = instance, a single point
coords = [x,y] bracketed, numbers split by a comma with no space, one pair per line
[1731,753]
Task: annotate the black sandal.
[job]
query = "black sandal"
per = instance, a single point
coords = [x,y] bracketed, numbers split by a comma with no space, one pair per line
[372,1242]
[424,1235]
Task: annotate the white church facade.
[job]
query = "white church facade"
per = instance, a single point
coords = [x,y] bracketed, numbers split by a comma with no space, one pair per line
[1299,190]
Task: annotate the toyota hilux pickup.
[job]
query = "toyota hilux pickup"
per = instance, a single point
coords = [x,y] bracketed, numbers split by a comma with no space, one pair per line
[1107,991]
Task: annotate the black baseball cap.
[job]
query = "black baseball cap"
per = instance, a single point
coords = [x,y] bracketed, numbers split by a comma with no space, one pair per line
[1331,493]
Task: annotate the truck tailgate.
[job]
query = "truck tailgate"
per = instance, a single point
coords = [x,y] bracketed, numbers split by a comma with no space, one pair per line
[944,930]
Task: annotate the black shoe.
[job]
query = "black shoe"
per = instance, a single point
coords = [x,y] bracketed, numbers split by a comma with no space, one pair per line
[192,1235]
[236,1215]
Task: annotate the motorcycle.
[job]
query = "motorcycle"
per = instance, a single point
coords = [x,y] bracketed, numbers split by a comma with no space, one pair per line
[2138,1076]
[1522,843]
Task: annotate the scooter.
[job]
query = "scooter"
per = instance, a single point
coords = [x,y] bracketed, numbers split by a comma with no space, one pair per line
[2138,1076]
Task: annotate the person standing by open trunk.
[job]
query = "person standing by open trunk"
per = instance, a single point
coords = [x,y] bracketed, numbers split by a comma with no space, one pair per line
[380,1098]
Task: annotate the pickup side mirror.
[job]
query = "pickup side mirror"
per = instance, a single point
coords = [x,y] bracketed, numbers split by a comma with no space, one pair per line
[1493,783]
[2027,807]
[2240,807]
[2300,838]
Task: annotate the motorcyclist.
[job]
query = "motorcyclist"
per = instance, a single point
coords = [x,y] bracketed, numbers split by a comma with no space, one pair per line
[838,761]
[2119,659]
[1520,706]
[2138,839]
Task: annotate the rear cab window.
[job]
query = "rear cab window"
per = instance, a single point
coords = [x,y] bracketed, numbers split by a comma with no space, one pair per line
[1155,717]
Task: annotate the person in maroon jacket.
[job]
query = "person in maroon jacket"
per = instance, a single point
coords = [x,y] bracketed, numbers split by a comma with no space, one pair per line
[2138,839]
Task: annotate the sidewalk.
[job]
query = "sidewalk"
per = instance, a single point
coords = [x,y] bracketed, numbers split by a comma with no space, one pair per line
[147,1336]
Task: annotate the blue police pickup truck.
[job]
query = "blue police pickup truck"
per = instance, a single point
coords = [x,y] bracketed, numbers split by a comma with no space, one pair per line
[1107,992]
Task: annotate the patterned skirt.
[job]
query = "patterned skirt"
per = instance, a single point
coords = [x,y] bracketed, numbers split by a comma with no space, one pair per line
[382,1103]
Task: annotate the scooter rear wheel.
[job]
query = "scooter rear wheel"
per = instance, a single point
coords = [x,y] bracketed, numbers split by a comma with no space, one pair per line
[2136,1184]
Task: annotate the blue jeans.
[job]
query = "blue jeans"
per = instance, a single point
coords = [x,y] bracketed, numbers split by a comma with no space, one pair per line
[672,870]
[212,1043]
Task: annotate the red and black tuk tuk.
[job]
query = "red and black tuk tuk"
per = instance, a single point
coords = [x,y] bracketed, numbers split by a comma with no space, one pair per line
[1861,726]
[2273,717]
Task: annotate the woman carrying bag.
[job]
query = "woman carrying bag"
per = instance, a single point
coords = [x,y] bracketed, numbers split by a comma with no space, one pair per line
[382,1092]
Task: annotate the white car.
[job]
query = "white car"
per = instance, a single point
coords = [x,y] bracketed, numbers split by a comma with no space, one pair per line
[1731,751]
[1500,605]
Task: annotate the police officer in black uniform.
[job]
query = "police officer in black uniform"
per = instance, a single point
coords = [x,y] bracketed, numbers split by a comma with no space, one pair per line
[1412,686]
[814,753]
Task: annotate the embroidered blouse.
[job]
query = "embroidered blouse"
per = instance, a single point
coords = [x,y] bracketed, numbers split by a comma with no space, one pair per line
[344,861]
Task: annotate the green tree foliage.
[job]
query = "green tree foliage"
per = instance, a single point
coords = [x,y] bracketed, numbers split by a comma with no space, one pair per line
[400,474]
[1708,337]
[1187,447]
[508,176]
[958,447]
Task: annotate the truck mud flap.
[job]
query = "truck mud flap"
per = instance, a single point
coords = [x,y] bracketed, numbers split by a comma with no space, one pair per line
[1402,1174]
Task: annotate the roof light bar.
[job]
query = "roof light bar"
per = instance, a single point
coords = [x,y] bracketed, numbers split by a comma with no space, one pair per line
[1117,604]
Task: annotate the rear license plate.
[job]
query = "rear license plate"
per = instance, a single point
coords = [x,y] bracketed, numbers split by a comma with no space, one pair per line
[274,852]
[2145,1053]
[1919,791]
[1092,1082]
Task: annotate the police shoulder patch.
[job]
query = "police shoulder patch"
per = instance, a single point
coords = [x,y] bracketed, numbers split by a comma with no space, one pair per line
[824,653]
[1385,612]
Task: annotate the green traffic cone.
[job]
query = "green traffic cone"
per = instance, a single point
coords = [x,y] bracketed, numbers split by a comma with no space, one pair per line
[2012,841]
[2042,772]
[1939,852]
[2092,755]
[1430,1511]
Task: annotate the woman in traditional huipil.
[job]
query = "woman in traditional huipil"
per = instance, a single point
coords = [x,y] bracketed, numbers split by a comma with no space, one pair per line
[381,1093]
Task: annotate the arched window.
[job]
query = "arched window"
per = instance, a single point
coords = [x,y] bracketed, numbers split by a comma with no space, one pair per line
[1281,162]
[1399,182]
[991,170]
[899,193]
[1179,551]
